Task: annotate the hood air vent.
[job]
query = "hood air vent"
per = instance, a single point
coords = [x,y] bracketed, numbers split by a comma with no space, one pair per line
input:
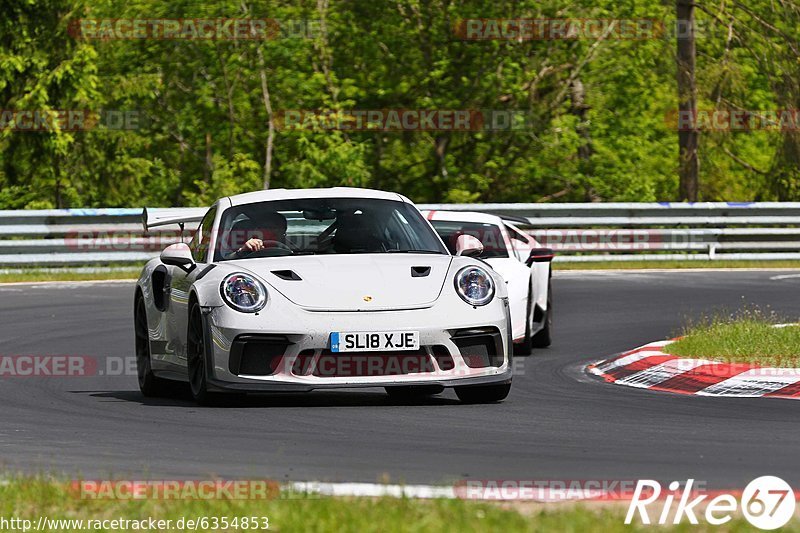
[288,275]
[420,272]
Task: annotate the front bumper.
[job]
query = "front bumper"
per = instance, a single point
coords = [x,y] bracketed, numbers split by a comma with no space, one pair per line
[290,351]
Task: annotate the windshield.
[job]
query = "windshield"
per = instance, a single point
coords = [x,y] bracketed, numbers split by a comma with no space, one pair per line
[323,226]
[489,234]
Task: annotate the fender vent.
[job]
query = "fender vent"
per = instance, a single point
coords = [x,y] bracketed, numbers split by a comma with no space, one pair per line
[161,288]
[420,272]
[288,275]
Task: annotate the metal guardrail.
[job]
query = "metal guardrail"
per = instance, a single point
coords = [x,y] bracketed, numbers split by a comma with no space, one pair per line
[579,232]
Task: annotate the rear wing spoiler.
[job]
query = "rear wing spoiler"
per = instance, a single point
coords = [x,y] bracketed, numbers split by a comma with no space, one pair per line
[522,221]
[157,217]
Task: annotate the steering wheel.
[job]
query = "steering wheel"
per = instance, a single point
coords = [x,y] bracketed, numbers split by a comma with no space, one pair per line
[270,247]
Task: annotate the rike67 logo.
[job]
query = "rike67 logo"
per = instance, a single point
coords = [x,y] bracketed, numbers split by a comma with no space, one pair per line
[767,503]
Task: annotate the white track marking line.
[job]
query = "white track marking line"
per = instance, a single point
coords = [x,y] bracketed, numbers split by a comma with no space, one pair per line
[784,276]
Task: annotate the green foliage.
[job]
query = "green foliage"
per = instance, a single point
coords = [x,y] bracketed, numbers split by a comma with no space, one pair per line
[203,125]
[328,160]
[239,175]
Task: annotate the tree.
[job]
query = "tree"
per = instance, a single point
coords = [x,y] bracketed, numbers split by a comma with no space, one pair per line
[688,161]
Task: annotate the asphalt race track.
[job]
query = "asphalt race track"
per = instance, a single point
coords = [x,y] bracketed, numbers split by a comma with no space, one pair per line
[558,423]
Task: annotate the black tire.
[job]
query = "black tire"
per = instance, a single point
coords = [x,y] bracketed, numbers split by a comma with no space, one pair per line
[483,393]
[542,339]
[412,392]
[197,359]
[526,346]
[150,385]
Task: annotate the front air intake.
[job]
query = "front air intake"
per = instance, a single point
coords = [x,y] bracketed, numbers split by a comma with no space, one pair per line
[479,347]
[257,355]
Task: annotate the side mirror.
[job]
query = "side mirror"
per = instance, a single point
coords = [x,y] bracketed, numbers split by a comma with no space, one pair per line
[178,254]
[540,255]
[469,246]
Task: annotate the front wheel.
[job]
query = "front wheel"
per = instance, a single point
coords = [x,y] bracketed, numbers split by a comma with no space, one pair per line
[542,339]
[149,384]
[483,393]
[526,346]
[196,358]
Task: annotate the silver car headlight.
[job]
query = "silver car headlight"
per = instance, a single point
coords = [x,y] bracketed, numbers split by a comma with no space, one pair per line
[244,293]
[474,285]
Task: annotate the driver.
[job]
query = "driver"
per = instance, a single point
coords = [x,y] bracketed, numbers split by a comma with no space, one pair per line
[262,230]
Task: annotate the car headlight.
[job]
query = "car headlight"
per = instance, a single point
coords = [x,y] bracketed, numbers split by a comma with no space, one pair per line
[244,293]
[474,285]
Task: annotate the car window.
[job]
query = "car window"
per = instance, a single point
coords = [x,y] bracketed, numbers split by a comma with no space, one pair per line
[202,237]
[324,226]
[491,237]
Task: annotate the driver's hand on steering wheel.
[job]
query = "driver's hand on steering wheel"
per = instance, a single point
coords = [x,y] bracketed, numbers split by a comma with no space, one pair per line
[253,245]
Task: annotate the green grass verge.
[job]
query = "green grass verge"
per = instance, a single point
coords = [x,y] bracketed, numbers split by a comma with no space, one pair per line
[31,498]
[36,275]
[644,265]
[748,336]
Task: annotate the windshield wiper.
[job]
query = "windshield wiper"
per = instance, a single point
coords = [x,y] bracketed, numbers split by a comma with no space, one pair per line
[414,252]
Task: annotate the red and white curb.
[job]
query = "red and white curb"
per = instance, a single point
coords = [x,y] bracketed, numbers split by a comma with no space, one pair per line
[652,367]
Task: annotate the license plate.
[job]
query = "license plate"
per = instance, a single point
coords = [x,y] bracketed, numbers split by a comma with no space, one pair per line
[368,341]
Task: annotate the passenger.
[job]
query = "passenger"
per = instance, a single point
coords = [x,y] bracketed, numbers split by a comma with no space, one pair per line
[357,233]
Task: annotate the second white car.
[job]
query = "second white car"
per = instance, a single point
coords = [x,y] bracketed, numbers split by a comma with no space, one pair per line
[519,259]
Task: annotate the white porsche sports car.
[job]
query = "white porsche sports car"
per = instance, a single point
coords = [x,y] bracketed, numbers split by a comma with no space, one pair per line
[520,259]
[295,290]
